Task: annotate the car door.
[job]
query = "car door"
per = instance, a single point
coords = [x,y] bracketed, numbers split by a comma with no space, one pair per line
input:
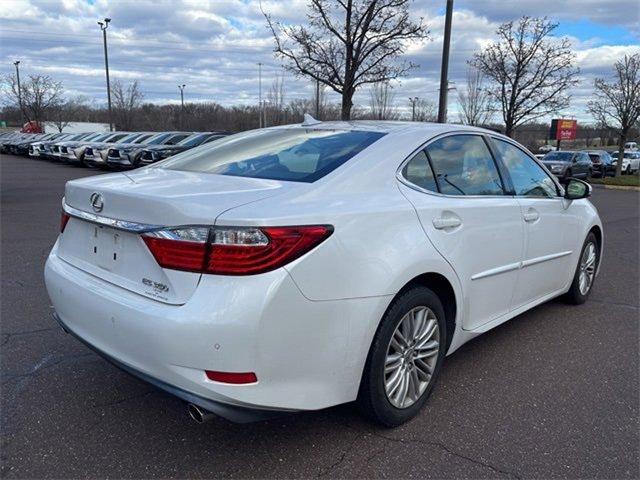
[459,196]
[551,229]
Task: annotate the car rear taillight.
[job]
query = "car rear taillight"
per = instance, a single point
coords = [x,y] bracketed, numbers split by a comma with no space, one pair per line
[64,219]
[233,250]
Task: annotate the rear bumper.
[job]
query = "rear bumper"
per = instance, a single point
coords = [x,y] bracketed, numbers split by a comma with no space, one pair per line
[300,350]
[230,412]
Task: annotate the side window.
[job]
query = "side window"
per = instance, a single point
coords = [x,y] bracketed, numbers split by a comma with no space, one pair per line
[418,171]
[528,178]
[463,165]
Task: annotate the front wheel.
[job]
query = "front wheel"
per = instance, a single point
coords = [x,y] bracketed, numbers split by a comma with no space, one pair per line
[405,358]
[585,272]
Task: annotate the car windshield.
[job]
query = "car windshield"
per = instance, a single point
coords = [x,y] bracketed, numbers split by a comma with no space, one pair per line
[631,155]
[93,136]
[194,140]
[293,154]
[142,138]
[158,139]
[128,138]
[102,137]
[558,156]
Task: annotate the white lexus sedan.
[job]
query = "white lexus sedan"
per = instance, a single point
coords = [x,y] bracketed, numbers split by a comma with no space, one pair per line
[299,267]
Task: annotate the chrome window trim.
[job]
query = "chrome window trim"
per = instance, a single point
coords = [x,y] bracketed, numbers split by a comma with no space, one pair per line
[127,226]
[423,146]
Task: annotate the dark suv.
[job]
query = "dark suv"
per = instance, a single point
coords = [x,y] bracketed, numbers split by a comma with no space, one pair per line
[565,164]
[602,164]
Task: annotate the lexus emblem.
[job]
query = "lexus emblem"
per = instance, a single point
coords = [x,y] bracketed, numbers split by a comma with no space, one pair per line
[96,202]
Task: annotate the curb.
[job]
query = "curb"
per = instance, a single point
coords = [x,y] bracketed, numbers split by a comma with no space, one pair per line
[616,187]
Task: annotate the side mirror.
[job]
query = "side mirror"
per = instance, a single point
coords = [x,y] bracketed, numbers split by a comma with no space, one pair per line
[577,189]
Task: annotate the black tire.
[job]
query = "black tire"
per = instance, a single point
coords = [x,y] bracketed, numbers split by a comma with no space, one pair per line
[574,296]
[372,397]
[628,170]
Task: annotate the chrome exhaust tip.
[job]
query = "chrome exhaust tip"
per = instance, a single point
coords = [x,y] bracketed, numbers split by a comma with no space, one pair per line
[199,415]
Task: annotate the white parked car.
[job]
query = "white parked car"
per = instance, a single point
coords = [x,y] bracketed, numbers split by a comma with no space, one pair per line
[299,267]
[633,146]
[631,162]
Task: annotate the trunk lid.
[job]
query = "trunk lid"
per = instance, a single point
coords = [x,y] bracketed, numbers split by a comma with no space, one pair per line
[149,196]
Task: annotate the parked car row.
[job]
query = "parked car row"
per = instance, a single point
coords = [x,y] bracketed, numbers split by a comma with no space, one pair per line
[115,150]
[565,164]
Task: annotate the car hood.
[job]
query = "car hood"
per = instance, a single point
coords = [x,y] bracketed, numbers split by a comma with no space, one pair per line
[159,148]
[127,146]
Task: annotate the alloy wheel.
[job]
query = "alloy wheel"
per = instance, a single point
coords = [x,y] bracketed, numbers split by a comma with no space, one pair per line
[411,357]
[587,268]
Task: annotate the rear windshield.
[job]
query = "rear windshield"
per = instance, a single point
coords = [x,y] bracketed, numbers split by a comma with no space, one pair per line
[291,154]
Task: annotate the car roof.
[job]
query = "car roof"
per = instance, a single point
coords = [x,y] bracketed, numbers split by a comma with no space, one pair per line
[390,126]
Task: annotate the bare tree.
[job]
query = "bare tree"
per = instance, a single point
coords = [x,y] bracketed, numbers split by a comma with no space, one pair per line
[349,43]
[63,114]
[40,95]
[476,103]
[426,111]
[617,103]
[381,102]
[530,70]
[275,102]
[126,102]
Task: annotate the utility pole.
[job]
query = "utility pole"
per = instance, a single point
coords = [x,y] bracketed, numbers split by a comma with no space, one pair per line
[17,63]
[413,101]
[444,70]
[260,94]
[317,99]
[103,26]
[181,87]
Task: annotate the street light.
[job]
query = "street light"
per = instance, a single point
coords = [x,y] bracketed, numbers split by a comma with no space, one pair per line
[103,26]
[181,87]
[413,101]
[444,69]
[17,63]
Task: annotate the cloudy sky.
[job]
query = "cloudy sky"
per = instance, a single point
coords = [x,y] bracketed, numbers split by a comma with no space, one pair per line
[214,46]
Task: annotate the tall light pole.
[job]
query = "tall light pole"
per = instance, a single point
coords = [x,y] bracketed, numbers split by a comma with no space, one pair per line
[413,101]
[181,87]
[444,71]
[17,63]
[260,93]
[317,99]
[103,26]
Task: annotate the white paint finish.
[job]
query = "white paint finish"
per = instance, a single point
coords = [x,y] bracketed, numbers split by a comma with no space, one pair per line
[306,329]
[548,238]
[484,250]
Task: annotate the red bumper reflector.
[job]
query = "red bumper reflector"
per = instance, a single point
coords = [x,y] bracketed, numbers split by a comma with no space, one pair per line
[229,377]
[64,218]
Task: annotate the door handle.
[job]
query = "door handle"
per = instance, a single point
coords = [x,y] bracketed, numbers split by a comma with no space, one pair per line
[442,223]
[531,216]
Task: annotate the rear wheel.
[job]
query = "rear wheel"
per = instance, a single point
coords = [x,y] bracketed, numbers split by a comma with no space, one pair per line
[628,169]
[585,272]
[405,358]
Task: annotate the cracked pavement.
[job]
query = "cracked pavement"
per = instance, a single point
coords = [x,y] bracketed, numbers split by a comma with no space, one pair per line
[552,393]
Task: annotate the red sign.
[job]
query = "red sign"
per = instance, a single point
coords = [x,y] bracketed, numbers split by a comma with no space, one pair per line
[563,129]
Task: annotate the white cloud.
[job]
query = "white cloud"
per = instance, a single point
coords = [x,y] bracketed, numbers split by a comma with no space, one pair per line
[214,45]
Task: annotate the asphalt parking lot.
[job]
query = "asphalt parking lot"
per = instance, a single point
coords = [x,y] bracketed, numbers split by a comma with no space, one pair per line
[553,393]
